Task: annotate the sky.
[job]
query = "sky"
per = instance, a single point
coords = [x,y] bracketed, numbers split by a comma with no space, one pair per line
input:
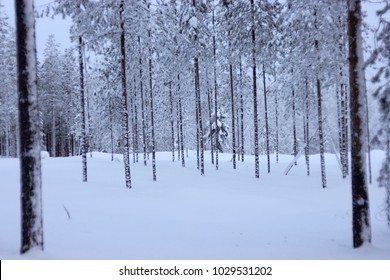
[44,26]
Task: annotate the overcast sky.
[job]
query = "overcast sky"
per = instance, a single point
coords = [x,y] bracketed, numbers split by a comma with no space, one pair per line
[44,26]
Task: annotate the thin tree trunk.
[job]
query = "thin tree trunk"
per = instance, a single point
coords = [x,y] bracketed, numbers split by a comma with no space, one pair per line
[111,131]
[255,116]
[198,100]
[276,128]
[233,116]
[320,132]
[152,113]
[215,94]
[306,129]
[136,132]
[242,113]
[125,114]
[319,109]
[183,163]
[360,202]
[144,143]
[233,128]
[209,101]
[172,122]
[266,122]
[344,134]
[295,142]
[83,140]
[29,129]
[53,131]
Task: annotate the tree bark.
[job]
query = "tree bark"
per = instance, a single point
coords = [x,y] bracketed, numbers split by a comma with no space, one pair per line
[360,204]
[29,129]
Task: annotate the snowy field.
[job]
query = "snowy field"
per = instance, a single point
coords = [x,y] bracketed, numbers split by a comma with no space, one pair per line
[226,214]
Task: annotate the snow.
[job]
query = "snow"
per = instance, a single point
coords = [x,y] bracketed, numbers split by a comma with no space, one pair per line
[193,21]
[225,214]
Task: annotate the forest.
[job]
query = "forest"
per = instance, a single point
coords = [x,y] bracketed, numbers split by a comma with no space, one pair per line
[254,79]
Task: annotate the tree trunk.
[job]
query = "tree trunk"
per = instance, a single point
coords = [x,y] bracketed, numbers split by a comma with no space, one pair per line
[319,114]
[125,114]
[29,129]
[209,103]
[242,113]
[255,117]
[152,112]
[144,142]
[266,122]
[172,122]
[295,142]
[183,163]
[83,140]
[360,203]
[306,129]
[198,101]
[215,93]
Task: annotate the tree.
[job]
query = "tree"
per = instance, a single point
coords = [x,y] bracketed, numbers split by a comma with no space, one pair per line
[125,118]
[29,136]
[254,77]
[360,203]
[219,131]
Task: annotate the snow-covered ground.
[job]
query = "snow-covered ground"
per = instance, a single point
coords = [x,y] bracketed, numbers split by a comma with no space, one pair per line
[226,214]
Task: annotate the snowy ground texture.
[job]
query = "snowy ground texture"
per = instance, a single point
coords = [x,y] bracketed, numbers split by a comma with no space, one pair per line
[226,214]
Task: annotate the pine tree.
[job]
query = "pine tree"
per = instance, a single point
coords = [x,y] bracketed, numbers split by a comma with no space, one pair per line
[29,136]
[360,203]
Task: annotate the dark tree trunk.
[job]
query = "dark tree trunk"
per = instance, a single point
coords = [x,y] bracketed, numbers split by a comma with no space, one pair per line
[295,142]
[83,140]
[319,114]
[344,129]
[266,122]
[125,114]
[321,132]
[242,113]
[136,132]
[255,116]
[215,94]
[111,131]
[233,128]
[209,102]
[29,129]
[183,163]
[360,203]
[152,112]
[306,129]
[198,102]
[233,116]
[144,141]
